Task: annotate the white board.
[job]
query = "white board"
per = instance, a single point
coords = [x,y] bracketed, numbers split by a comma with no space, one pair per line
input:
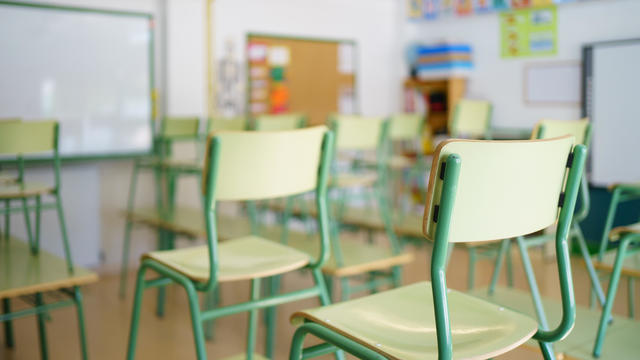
[552,83]
[615,112]
[89,70]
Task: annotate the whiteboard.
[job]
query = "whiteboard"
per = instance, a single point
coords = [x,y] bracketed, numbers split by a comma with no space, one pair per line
[553,83]
[89,70]
[615,111]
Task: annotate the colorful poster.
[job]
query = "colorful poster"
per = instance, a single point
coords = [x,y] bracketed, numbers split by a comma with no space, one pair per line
[481,6]
[541,3]
[464,7]
[500,4]
[414,9]
[520,4]
[431,9]
[529,32]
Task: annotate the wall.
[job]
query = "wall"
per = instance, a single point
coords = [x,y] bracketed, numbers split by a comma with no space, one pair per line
[501,80]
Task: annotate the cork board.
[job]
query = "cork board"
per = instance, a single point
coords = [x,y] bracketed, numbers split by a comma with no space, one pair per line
[319,76]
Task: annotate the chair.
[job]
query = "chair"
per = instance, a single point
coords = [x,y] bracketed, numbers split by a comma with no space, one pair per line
[471,119]
[465,203]
[243,166]
[26,270]
[279,122]
[238,123]
[172,130]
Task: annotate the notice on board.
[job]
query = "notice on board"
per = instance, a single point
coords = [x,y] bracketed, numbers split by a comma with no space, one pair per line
[529,32]
[346,58]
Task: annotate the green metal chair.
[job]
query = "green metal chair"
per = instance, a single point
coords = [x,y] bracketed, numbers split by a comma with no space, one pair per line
[238,123]
[28,271]
[172,130]
[465,203]
[242,166]
[471,119]
[380,265]
[279,122]
[627,263]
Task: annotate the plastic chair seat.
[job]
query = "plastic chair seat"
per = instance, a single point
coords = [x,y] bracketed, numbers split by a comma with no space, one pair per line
[400,324]
[189,221]
[358,257]
[23,273]
[353,180]
[172,163]
[23,190]
[7,178]
[249,257]
[617,232]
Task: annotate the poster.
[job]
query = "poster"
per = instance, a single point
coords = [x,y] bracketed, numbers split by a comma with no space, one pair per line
[529,32]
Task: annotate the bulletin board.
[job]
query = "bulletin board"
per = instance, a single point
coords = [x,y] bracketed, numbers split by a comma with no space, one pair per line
[300,75]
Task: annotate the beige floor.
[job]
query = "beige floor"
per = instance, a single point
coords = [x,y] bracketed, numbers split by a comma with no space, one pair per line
[171,337]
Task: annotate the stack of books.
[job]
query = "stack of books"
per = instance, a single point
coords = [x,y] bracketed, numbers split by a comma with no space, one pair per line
[440,60]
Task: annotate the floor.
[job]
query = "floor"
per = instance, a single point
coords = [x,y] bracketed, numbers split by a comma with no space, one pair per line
[171,337]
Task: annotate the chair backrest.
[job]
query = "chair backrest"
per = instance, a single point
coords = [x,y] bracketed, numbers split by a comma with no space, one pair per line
[279,122]
[355,132]
[471,118]
[179,127]
[238,123]
[262,165]
[548,129]
[504,188]
[404,127]
[17,137]
[11,119]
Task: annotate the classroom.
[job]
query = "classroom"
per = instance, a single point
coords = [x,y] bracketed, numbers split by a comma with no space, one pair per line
[319,179]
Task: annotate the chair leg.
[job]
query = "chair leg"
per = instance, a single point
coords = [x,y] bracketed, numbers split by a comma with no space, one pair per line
[162,290]
[77,295]
[253,319]
[328,280]
[472,268]
[135,314]
[63,231]
[196,320]
[271,320]
[325,299]
[533,285]
[8,325]
[345,291]
[596,288]
[502,253]
[27,223]
[547,350]
[509,266]
[212,300]
[7,220]
[396,276]
[42,331]
[611,295]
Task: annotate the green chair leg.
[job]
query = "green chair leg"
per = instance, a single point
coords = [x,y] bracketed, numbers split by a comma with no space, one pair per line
[27,222]
[325,299]
[8,325]
[472,268]
[253,319]
[135,314]
[270,313]
[63,232]
[345,292]
[547,350]
[533,285]
[504,246]
[124,267]
[7,220]
[396,276]
[212,300]
[77,297]
[611,295]
[42,331]
[509,266]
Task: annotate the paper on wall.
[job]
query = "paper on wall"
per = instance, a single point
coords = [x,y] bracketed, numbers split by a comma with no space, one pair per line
[278,56]
[257,52]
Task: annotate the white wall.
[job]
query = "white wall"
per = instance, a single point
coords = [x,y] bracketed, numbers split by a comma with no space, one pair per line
[501,80]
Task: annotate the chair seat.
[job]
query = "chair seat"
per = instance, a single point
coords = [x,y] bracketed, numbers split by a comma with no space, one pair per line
[617,232]
[7,178]
[358,257]
[243,356]
[630,266]
[14,190]
[353,180]
[23,273]
[244,258]
[625,186]
[400,324]
[189,221]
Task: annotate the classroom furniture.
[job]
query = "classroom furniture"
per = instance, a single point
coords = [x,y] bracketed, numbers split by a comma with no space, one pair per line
[239,167]
[238,123]
[441,96]
[289,75]
[27,271]
[463,205]
[172,130]
[471,119]
[626,262]
[605,258]
[102,112]
[279,122]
